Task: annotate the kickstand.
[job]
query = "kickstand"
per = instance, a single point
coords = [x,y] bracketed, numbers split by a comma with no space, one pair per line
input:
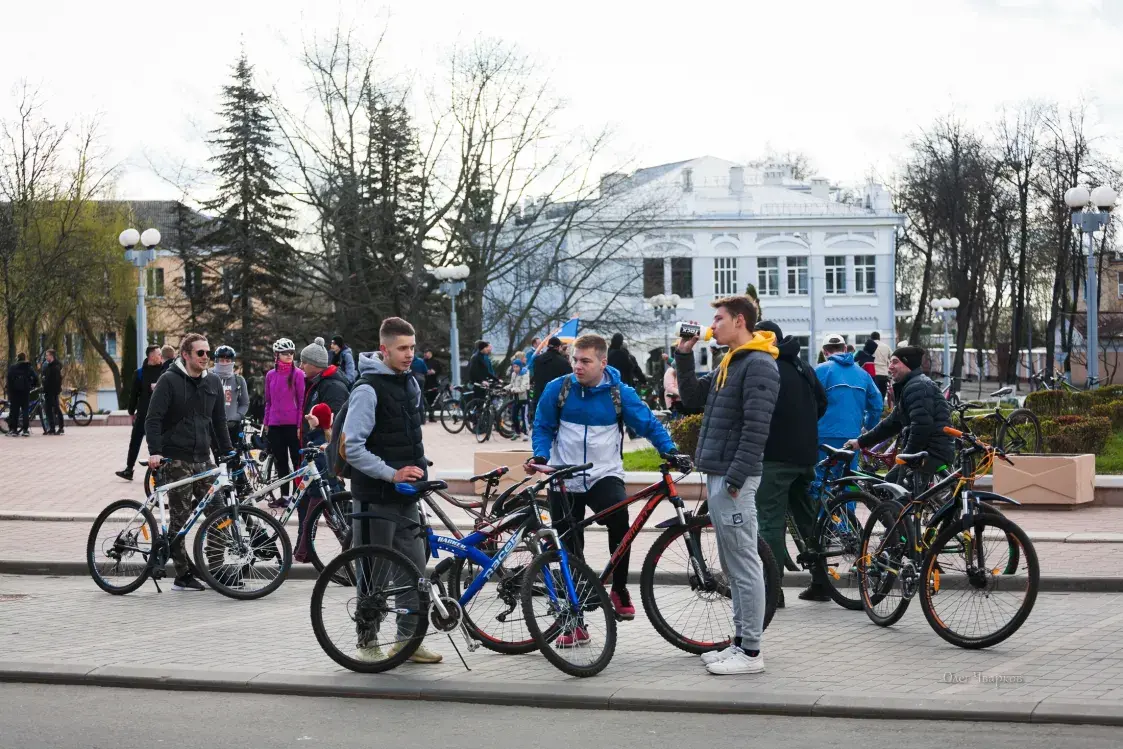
[157,584]
[466,668]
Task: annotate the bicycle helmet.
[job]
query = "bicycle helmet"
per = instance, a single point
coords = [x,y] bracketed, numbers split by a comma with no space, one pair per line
[283,345]
[225,352]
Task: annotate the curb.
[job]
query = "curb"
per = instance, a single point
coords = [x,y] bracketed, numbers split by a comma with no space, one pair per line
[571,694]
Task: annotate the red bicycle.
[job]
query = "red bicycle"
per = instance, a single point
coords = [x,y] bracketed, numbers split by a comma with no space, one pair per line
[879,458]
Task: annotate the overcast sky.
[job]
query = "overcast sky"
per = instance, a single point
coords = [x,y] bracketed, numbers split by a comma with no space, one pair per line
[845,82]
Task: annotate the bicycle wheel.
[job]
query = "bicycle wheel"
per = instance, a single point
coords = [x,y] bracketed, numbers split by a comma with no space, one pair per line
[149,481]
[493,616]
[81,413]
[4,417]
[967,597]
[692,614]
[330,537]
[42,414]
[502,421]
[350,623]
[483,425]
[882,564]
[838,537]
[1020,433]
[119,549]
[452,416]
[576,634]
[242,552]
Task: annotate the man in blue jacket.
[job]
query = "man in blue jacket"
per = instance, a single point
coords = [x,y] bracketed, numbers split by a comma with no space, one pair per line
[853,400]
[580,419]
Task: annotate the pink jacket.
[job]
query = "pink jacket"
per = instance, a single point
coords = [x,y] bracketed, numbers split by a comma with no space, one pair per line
[282,403]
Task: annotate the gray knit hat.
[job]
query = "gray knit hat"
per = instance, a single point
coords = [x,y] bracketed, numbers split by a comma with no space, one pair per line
[315,354]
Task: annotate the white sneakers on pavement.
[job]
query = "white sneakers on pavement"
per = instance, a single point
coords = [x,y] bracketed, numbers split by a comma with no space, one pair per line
[714,656]
[736,662]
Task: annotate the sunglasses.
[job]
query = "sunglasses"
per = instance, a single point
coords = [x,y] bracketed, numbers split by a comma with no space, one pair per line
[203,353]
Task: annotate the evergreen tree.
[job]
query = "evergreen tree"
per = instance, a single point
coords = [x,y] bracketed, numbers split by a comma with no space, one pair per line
[249,239]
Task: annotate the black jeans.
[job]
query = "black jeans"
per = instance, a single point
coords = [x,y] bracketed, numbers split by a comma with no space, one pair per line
[53,412]
[19,405]
[602,495]
[135,439]
[284,444]
[882,382]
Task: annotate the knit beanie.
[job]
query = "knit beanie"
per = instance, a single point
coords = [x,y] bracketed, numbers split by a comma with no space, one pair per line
[315,354]
[322,412]
[911,356]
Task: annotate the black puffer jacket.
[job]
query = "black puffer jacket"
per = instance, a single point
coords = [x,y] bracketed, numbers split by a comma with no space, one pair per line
[922,410]
[330,387]
[52,378]
[184,414]
[737,417]
[793,433]
[549,365]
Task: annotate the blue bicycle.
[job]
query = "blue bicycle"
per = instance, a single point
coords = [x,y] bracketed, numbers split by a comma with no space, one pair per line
[379,621]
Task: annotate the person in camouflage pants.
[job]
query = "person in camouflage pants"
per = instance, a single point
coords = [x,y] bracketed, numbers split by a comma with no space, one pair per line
[181,501]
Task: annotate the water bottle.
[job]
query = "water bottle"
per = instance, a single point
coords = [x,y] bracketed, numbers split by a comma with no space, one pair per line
[689,330]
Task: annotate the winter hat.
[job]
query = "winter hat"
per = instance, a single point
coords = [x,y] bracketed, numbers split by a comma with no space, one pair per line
[322,412]
[337,340]
[771,327]
[315,354]
[554,342]
[911,356]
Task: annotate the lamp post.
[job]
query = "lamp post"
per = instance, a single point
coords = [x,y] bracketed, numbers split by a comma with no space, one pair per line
[944,308]
[1090,213]
[665,306]
[140,258]
[452,283]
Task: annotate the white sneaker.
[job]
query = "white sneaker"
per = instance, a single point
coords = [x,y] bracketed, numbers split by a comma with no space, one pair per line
[738,663]
[716,656]
[370,654]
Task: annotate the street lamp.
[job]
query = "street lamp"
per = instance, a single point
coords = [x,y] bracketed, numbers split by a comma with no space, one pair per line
[944,308]
[140,258]
[665,306]
[1090,213]
[452,283]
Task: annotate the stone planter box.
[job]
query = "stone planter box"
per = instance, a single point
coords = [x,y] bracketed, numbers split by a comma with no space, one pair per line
[1057,480]
[489,460]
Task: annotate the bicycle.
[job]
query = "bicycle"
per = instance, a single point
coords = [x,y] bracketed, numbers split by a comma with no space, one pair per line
[903,553]
[125,542]
[1019,432]
[76,408]
[388,583]
[490,411]
[697,581]
[79,410]
[257,464]
[880,457]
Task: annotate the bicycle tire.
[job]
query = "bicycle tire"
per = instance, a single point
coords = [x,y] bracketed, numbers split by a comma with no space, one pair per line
[591,591]
[353,563]
[483,426]
[1033,581]
[4,414]
[506,587]
[452,415]
[1031,431]
[502,412]
[828,534]
[720,595]
[149,481]
[81,413]
[93,546]
[891,553]
[264,548]
[332,527]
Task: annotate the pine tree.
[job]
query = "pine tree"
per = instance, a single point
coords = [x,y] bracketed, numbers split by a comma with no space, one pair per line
[249,238]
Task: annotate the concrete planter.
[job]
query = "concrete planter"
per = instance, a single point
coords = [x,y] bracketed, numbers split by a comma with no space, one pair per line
[1048,480]
[489,460]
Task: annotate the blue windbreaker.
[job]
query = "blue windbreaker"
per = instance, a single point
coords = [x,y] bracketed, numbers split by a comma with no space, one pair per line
[853,400]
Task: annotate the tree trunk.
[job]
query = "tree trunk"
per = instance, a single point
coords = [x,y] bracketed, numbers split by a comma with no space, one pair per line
[95,342]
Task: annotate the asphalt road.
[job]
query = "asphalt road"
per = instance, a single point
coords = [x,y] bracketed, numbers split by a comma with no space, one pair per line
[44,717]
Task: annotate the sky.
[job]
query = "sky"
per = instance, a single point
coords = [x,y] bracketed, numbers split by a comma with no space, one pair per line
[847,83]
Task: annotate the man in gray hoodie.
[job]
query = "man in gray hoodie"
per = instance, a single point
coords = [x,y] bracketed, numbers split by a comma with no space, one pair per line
[382,443]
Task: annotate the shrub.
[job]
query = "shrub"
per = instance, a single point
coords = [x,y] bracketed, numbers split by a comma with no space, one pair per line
[984,426]
[1049,403]
[685,433]
[1108,394]
[1076,434]
[1081,403]
[1112,410]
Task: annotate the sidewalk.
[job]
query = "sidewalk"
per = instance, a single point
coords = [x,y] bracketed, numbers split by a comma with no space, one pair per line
[1066,662]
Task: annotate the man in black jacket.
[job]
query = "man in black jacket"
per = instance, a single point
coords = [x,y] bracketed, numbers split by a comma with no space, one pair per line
[549,365]
[186,411]
[21,381]
[790,454]
[139,395]
[626,364]
[920,408]
[52,390]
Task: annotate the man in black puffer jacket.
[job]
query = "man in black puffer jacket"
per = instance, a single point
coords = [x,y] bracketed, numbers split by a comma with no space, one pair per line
[920,408]
[546,367]
[790,455]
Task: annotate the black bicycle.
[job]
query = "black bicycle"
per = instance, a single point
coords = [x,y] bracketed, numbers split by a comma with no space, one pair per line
[1016,432]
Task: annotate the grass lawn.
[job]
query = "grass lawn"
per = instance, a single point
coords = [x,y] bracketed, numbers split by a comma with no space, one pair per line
[647,459]
[1111,459]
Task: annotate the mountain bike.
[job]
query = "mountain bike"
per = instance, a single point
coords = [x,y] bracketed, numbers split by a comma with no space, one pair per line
[1016,432]
[491,411]
[240,551]
[691,606]
[960,557]
[76,408]
[257,463]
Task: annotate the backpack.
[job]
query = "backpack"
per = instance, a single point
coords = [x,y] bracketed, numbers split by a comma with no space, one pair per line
[23,378]
[617,403]
[336,452]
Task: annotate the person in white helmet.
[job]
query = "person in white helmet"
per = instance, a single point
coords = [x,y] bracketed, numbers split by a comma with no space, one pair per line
[284,396]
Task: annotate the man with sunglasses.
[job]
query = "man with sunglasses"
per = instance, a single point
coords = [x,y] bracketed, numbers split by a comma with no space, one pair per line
[186,410]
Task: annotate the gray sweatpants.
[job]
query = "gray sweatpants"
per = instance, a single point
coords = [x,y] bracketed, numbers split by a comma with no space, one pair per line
[390,528]
[735,526]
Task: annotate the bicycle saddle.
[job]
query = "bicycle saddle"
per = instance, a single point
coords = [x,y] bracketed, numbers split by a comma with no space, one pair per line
[417,488]
[912,460]
[1002,391]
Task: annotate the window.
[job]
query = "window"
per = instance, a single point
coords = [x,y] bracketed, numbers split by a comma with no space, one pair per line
[797,276]
[682,277]
[1120,284]
[864,274]
[109,342]
[155,283]
[652,277]
[725,276]
[836,274]
[72,346]
[193,281]
[155,338]
[768,276]
[804,347]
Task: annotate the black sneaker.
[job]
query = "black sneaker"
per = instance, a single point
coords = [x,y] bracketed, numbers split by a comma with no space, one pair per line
[126,474]
[780,599]
[814,593]
[187,583]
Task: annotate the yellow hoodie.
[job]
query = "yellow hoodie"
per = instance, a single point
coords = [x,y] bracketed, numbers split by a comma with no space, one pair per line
[762,340]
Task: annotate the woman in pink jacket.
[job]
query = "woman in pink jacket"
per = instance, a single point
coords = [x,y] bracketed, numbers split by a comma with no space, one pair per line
[284,399]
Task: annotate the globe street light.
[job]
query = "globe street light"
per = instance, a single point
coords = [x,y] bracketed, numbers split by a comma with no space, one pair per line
[452,283]
[944,308]
[1090,213]
[665,306]
[129,239]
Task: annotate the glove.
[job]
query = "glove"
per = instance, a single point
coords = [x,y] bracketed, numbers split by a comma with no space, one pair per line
[680,461]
